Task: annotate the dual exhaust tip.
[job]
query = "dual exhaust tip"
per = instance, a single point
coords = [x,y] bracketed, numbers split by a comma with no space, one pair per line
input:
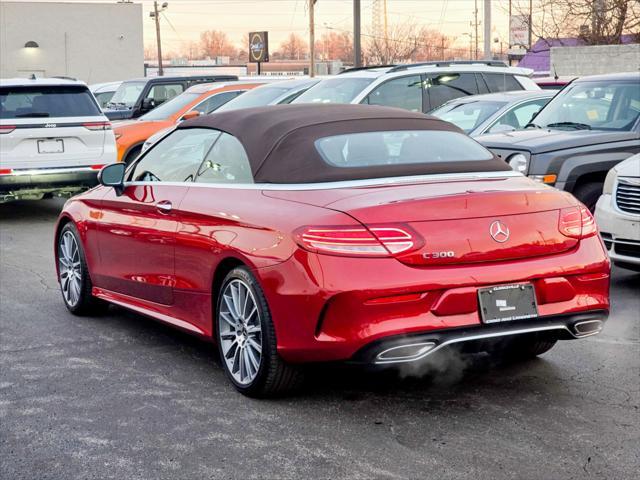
[417,351]
[587,327]
[405,353]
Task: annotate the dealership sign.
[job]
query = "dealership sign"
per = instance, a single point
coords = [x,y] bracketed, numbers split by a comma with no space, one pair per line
[519,30]
[258,47]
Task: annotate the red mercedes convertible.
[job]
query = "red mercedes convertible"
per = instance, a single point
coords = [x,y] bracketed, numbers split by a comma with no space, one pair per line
[312,233]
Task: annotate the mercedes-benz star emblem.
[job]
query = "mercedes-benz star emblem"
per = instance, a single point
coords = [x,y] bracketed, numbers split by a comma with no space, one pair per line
[499,231]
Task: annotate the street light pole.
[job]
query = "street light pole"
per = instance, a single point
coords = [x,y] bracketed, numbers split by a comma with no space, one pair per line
[357,49]
[156,16]
[312,47]
[487,30]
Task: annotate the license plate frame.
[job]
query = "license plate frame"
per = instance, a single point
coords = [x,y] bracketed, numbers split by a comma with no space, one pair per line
[507,303]
[51,145]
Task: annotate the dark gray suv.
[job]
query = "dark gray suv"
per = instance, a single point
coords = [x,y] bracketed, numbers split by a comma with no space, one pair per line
[589,127]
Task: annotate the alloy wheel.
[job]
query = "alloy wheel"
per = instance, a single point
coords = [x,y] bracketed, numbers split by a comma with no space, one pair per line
[70,268]
[240,332]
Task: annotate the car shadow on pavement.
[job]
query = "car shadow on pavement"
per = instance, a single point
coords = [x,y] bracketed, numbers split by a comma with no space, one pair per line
[14,212]
[447,375]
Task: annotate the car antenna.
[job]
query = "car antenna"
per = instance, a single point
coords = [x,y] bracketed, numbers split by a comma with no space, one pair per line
[555,74]
[33,76]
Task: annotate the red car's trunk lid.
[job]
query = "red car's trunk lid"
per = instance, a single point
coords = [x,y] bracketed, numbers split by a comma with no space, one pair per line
[460,222]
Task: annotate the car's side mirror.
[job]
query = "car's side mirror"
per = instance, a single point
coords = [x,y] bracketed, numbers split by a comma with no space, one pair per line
[148,104]
[113,176]
[190,115]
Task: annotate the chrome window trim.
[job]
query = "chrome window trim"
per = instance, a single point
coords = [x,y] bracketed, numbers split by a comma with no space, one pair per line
[340,184]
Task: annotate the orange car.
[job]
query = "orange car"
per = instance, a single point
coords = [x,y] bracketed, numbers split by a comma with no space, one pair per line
[198,100]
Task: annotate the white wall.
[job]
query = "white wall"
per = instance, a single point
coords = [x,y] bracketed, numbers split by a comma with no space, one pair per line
[594,60]
[92,42]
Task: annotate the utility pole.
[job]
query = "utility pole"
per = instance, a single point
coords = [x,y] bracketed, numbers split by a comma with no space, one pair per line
[487,30]
[357,49]
[155,14]
[312,47]
[475,26]
[530,23]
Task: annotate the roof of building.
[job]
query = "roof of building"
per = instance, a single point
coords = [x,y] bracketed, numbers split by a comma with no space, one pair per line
[538,57]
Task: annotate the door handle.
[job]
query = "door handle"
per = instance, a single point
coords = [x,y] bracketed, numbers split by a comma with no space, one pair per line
[164,206]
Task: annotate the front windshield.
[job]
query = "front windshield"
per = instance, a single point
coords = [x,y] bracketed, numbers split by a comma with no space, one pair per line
[592,106]
[171,107]
[468,115]
[334,90]
[258,97]
[127,94]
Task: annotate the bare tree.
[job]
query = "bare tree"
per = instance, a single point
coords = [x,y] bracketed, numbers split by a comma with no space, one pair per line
[335,46]
[293,48]
[432,45]
[596,22]
[399,45]
[215,43]
[406,42]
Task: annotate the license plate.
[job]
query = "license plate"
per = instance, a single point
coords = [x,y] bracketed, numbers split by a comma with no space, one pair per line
[51,146]
[506,303]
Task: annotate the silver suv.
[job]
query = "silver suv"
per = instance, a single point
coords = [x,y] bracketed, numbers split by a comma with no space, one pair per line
[53,138]
[418,87]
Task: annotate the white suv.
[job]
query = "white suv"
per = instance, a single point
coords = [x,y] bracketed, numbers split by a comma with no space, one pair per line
[418,87]
[53,138]
[618,213]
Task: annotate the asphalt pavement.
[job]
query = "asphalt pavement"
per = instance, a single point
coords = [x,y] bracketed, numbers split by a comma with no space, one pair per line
[124,397]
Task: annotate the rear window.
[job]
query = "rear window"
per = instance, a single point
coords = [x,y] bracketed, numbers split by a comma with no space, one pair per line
[47,101]
[335,90]
[501,82]
[257,97]
[173,106]
[468,115]
[403,147]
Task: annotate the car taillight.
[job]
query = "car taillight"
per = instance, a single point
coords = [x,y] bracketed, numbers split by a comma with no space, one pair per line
[7,128]
[97,125]
[6,171]
[378,241]
[577,222]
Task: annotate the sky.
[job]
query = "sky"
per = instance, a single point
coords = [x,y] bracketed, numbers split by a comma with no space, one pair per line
[184,20]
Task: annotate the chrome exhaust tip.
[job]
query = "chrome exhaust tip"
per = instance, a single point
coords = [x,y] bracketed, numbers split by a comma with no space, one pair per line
[588,327]
[405,353]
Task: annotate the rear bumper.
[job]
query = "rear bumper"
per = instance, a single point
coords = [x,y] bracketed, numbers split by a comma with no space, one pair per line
[31,183]
[403,349]
[329,308]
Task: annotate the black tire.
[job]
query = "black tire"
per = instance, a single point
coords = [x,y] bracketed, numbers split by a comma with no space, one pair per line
[523,348]
[589,193]
[133,154]
[86,303]
[274,376]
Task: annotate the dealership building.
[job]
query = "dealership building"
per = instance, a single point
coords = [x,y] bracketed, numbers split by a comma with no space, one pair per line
[93,42]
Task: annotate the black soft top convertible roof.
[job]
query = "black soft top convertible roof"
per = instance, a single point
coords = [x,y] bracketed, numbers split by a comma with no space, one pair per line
[280,140]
